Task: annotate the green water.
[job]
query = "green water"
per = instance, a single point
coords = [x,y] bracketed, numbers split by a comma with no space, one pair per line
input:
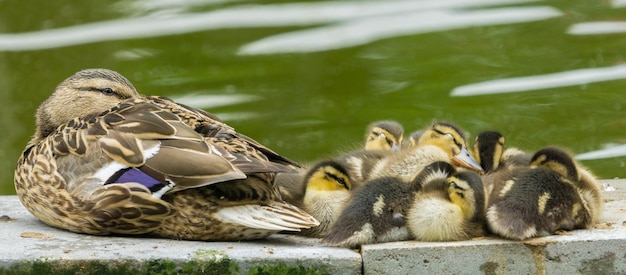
[314,104]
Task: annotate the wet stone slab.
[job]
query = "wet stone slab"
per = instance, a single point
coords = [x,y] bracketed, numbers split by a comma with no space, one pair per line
[29,246]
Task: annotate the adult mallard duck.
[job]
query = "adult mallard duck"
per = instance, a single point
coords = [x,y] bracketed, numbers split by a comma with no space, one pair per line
[105,159]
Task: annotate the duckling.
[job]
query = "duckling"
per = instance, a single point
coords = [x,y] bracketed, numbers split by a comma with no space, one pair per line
[384,135]
[328,188]
[554,193]
[449,207]
[329,184]
[441,141]
[105,159]
[497,162]
[375,214]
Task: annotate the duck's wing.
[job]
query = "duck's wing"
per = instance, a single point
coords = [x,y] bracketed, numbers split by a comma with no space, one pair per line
[210,126]
[140,135]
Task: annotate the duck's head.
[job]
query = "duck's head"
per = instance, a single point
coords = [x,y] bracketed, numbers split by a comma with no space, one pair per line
[86,92]
[384,135]
[465,189]
[450,138]
[327,175]
[556,160]
[488,149]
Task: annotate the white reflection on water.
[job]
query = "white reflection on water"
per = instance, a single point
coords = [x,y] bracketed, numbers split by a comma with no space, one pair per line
[363,31]
[206,101]
[618,3]
[252,16]
[537,82]
[588,28]
[152,5]
[609,152]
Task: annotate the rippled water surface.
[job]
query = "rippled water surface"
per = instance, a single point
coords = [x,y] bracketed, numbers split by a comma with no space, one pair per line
[306,78]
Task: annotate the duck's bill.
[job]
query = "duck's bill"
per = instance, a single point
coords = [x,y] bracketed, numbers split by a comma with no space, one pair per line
[465,159]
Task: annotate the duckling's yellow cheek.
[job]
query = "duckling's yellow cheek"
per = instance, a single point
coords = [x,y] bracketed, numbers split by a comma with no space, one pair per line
[324,185]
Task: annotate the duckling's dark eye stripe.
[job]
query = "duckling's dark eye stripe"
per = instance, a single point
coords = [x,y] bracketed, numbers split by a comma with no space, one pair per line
[338,179]
[453,139]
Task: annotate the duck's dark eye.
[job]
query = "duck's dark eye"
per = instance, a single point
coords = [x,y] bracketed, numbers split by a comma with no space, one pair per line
[107,91]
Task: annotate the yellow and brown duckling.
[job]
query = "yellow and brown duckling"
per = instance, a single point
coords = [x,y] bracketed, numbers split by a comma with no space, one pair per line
[441,141]
[329,185]
[449,207]
[441,204]
[328,189]
[490,152]
[554,193]
[105,159]
[382,138]
[375,214]
[384,135]
[497,161]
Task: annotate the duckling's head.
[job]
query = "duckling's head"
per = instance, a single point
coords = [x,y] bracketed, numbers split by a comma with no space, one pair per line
[557,160]
[384,135]
[434,176]
[465,189]
[488,149]
[327,175]
[451,140]
[86,92]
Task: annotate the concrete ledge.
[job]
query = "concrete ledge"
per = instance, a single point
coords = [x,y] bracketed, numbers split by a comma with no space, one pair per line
[29,246]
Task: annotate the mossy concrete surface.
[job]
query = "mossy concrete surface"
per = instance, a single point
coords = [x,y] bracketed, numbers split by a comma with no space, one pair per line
[31,247]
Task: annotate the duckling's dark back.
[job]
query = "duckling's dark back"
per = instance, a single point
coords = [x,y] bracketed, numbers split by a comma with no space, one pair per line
[375,214]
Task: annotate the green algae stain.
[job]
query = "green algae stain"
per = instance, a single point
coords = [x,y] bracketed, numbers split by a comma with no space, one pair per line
[282,269]
[131,267]
[73,267]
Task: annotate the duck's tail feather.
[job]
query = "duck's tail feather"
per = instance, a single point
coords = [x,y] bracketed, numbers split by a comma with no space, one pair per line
[274,216]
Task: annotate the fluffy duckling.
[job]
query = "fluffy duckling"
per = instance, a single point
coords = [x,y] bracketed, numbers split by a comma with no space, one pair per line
[554,193]
[328,189]
[497,162]
[449,207]
[441,141]
[490,152]
[375,214]
[329,184]
[105,159]
[384,135]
